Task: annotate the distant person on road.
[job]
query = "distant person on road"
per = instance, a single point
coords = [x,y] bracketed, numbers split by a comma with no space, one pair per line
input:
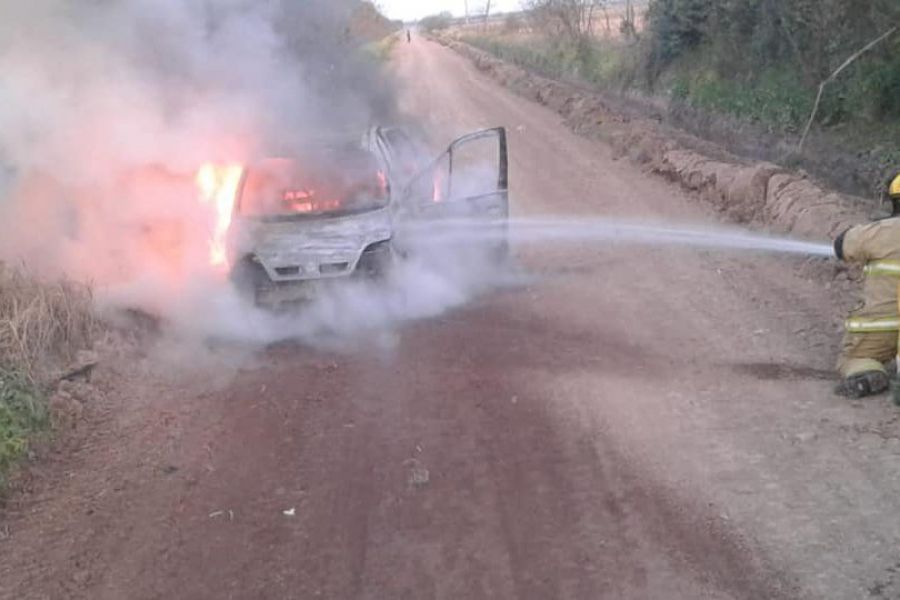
[408,37]
[870,340]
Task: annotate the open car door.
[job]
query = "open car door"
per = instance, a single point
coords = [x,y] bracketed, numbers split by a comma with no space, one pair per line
[469,181]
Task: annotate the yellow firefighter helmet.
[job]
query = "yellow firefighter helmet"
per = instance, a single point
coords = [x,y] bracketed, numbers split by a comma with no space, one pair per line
[891,195]
[894,188]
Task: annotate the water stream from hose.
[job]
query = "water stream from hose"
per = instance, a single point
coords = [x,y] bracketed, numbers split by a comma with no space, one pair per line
[587,230]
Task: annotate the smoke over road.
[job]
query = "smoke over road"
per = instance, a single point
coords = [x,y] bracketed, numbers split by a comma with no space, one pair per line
[108,109]
[93,89]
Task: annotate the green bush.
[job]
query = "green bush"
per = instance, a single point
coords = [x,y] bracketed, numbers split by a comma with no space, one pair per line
[675,27]
[769,56]
[23,412]
[878,85]
[774,99]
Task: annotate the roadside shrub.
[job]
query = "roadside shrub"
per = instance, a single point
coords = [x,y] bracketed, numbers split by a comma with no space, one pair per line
[22,412]
[877,85]
[675,27]
[436,22]
[774,99]
[42,327]
[745,41]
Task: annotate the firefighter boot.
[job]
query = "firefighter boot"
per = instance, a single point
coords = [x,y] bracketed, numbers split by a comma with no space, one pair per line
[860,385]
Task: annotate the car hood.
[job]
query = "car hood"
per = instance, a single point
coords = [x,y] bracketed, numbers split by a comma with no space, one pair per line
[311,243]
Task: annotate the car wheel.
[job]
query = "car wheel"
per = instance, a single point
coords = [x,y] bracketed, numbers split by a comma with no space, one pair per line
[376,260]
[248,277]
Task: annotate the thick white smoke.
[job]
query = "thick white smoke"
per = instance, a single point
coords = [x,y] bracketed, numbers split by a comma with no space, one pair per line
[416,288]
[107,110]
[93,95]
[94,88]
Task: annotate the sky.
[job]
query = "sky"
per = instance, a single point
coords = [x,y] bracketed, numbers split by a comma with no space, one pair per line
[416,9]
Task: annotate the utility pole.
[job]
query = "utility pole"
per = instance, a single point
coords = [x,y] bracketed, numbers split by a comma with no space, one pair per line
[466,2]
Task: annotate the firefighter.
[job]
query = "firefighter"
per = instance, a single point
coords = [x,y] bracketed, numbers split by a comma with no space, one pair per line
[870,340]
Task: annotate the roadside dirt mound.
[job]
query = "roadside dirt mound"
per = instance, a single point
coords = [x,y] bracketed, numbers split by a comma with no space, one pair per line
[758,194]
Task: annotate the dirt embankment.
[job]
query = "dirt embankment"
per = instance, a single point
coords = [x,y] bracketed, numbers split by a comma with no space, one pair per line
[758,194]
[367,24]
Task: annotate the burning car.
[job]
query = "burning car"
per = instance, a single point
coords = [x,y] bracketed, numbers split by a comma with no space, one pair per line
[287,224]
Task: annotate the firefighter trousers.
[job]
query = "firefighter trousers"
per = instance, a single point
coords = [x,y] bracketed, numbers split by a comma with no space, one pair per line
[861,352]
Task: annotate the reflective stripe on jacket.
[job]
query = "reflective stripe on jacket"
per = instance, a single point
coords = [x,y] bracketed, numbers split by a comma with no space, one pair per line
[870,325]
[876,246]
[883,268]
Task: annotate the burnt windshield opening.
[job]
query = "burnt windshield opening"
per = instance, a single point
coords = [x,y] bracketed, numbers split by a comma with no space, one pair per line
[328,183]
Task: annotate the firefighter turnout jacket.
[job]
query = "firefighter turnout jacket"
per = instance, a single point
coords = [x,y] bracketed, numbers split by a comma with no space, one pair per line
[871,330]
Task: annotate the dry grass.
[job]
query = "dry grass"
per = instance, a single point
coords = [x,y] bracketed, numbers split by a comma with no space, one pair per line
[42,324]
[42,327]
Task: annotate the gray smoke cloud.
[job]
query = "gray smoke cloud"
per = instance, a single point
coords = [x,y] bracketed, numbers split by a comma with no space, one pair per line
[107,108]
[89,86]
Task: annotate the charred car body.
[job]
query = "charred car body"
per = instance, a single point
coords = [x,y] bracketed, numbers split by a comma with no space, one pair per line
[342,211]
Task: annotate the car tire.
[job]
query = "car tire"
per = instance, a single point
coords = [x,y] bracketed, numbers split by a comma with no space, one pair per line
[377,260]
[248,277]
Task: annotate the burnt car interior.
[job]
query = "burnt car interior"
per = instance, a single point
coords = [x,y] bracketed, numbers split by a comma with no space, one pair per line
[338,184]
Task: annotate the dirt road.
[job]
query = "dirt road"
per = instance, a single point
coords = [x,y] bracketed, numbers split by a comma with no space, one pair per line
[634,423]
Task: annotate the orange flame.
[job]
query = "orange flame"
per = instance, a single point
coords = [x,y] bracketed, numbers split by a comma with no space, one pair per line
[437,187]
[218,185]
